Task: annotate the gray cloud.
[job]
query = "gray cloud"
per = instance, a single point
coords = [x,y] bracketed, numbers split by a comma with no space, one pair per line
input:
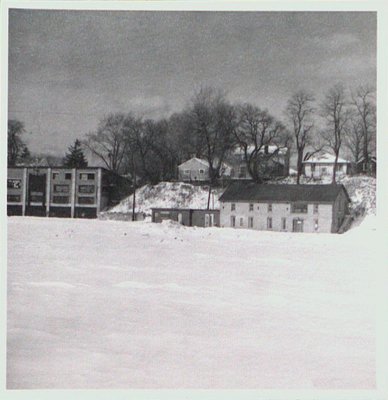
[68,68]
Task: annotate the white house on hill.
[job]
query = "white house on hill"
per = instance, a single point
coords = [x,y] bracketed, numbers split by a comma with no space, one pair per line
[197,169]
[316,167]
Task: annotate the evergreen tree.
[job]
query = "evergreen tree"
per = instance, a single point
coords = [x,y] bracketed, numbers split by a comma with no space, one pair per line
[75,158]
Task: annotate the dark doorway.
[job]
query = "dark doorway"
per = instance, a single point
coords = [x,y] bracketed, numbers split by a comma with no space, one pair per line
[297,225]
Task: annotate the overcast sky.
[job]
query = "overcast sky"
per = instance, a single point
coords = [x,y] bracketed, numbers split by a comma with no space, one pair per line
[69,68]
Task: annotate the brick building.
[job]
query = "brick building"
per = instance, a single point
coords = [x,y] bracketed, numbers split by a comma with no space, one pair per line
[287,208]
[62,192]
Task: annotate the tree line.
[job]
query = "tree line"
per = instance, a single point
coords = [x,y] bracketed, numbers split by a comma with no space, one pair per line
[211,127]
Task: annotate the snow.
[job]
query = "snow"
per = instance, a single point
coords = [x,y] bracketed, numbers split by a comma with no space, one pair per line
[109,304]
[167,195]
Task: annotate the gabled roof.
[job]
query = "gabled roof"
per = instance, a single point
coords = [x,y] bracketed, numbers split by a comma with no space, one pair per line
[193,160]
[251,191]
[325,159]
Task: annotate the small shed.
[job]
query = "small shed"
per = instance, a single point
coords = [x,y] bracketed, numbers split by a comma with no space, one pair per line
[187,217]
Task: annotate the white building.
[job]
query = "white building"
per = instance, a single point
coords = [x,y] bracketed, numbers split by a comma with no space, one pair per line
[284,208]
[319,166]
[197,169]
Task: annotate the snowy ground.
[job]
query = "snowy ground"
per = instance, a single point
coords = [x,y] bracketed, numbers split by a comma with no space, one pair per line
[111,304]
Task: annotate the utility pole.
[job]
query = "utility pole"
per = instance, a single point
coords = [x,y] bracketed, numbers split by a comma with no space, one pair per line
[134,189]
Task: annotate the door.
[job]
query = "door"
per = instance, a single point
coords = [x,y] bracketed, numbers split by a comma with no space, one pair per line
[180,218]
[211,219]
[297,225]
[37,190]
[207,220]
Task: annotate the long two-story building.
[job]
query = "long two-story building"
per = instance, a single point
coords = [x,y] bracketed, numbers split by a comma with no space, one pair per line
[287,208]
[62,192]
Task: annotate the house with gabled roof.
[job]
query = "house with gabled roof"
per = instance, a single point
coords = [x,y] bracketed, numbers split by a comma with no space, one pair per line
[284,208]
[318,166]
[197,170]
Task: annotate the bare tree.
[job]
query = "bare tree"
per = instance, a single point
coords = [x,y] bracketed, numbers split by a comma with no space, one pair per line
[363,101]
[354,140]
[212,120]
[257,129]
[109,142]
[337,114]
[17,149]
[300,113]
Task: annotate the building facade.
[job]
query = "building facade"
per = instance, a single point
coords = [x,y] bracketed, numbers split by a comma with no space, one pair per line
[273,162]
[62,192]
[187,217]
[317,167]
[284,208]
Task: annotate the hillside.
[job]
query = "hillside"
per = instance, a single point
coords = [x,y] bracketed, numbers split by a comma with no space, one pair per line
[361,189]
[169,194]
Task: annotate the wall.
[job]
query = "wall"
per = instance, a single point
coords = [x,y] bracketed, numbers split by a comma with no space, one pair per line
[260,214]
[199,217]
[15,184]
[320,170]
[159,215]
[340,209]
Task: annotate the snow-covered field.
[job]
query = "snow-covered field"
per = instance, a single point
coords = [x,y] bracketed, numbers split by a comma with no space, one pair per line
[112,304]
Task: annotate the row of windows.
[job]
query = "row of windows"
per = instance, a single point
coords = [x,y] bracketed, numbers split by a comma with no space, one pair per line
[83,176]
[269,222]
[66,200]
[81,189]
[295,207]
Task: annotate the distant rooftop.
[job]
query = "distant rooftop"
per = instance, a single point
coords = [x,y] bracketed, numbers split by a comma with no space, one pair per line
[325,159]
[251,191]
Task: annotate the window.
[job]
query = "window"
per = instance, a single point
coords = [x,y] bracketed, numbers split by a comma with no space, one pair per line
[61,199]
[85,200]
[284,223]
[55,175]
[13,198]
[86,177]
[201,171]
[338,167]
[324,170]
[61,188]
[250,207]
[187,171]
[233,221]
[86,188]
[250,222]
[316,208]
[14,183]
[299,208]
[232,207]
[269,223]
[269,207]
[68,176]
[241,221]
[316,225]
[312,167]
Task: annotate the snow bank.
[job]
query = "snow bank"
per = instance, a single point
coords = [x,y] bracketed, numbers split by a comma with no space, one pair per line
[169,195]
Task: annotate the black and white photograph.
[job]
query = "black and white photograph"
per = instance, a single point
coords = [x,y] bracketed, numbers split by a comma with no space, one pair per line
[191,197]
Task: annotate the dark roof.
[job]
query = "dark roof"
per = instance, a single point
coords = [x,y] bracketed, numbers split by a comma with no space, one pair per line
[250,191]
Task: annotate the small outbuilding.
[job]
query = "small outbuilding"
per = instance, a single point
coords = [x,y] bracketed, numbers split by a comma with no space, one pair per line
[187,217]
[285,208]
